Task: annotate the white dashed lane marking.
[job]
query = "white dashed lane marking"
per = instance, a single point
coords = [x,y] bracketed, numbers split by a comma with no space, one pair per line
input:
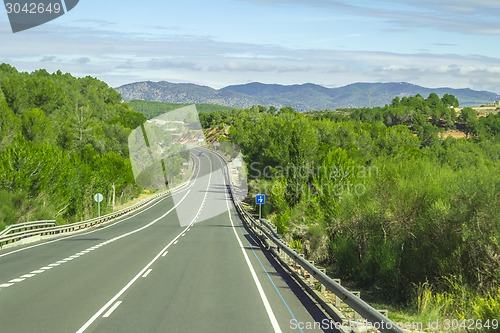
[113,308]
[28,275]
[95,247]
[147,273]
[81,253]
[65,260]
[55,264]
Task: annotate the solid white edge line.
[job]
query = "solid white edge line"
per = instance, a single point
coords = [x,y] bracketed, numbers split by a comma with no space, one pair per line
[41,270]
[120,219]
[127,286]
[267,305]
[75,256]
[151,204]
[112,309]
[135,278]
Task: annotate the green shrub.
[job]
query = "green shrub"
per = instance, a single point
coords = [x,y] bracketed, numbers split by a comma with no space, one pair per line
[487,309]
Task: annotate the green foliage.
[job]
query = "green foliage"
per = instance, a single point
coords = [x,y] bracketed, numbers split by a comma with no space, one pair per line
[468,117]
[489,127]
[62,139]
[457,302]
[152,109]
[376,194]
[450,100]
[488,309]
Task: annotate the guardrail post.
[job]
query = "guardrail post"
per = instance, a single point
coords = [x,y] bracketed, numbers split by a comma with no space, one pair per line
[358,295]
[297,265]
[323,287]
[384,312]
[361,309]
[49,227]
[311,277]
[337,299]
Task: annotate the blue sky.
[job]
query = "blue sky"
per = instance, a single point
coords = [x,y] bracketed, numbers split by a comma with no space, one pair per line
[452,43]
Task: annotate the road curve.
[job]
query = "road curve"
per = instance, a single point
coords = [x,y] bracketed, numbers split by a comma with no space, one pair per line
[184,263]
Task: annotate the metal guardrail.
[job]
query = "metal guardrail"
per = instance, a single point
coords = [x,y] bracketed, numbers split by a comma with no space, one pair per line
[27,226]
[54,230]
[271,238]
[46,230]
[266,231]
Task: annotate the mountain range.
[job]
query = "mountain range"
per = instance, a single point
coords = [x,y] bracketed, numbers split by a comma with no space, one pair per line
[302,97]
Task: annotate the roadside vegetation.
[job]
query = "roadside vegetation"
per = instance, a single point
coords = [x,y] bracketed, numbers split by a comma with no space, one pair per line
[62,140]
[152,109]
[380,196]
[382,200]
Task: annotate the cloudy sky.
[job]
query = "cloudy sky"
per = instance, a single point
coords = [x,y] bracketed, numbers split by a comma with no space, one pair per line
[453,43]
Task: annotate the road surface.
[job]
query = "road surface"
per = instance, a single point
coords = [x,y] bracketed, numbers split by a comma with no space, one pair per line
[184,263]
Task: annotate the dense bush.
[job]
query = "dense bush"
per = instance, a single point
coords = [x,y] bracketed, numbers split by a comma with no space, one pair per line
[62,139]
[376,194]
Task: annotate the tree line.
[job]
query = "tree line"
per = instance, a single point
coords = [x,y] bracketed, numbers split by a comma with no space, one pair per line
[377,196]
[62,139]
[374,194]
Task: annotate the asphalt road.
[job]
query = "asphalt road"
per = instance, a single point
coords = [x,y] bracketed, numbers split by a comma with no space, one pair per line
[182,264]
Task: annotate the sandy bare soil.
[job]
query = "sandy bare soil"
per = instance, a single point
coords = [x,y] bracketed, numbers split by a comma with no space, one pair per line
[453,133]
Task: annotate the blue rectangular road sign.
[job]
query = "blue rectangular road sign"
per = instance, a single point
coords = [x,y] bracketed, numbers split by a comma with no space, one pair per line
[260,199]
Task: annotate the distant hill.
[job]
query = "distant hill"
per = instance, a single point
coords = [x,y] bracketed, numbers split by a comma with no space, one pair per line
[151,109]
[302,97]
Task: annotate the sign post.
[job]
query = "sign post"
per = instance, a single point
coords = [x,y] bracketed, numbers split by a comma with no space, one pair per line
[260,199]
[98,197]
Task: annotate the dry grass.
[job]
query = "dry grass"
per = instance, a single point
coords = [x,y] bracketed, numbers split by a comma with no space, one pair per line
[483,111]
[453,133]
[143,196]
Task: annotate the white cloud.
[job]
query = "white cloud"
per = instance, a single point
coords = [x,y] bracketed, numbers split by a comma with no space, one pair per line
[159,63]
[82,60]
[476,17]
[121,58]
[48,58]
